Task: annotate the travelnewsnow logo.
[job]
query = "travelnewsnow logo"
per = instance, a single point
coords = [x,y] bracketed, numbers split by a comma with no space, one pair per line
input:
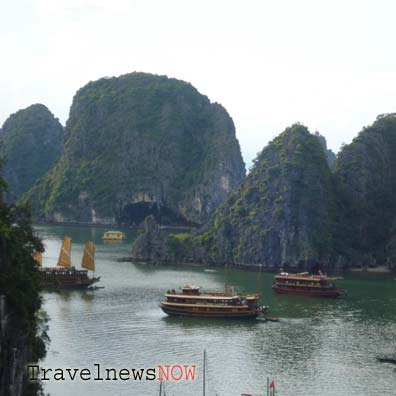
[176,372]
[167,372]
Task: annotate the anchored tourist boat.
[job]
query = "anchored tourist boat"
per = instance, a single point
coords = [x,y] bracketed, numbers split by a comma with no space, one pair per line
[64,275]
[113,236]
[307,285]
[228,304]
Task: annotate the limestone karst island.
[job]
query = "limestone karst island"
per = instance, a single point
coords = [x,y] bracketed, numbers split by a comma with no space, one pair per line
[140,256]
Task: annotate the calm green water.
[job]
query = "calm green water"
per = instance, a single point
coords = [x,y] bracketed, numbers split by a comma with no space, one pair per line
[320,347]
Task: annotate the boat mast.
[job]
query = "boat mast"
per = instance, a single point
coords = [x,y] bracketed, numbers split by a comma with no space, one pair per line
[160,391]
[204,371]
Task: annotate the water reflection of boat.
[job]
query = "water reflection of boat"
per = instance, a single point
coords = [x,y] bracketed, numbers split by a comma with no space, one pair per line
[113,241]
[270,389]
[64,275]
[228,304]
[306,285]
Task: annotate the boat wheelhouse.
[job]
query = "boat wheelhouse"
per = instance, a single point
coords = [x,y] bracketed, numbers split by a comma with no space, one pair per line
[227,304]
[307,285]
[64,275]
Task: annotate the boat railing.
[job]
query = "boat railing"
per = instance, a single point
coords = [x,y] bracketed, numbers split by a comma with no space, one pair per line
[220,294]
[63,270]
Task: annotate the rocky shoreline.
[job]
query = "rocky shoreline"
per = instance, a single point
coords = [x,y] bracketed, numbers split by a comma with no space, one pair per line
[380,269]
[246,267]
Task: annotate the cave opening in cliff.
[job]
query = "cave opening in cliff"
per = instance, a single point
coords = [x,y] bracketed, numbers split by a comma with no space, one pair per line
[135,213]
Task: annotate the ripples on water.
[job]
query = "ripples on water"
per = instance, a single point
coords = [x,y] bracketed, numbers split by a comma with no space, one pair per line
[320,347]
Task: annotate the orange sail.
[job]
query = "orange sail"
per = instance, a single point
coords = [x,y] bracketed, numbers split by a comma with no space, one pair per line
[65,253]
[38,256]
[88,260]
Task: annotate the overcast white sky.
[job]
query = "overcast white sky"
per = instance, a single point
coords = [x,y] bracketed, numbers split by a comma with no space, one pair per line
[328,64]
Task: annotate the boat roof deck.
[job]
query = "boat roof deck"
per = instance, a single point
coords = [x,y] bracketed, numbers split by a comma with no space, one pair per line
[212,297]
[113,232]
[312,278]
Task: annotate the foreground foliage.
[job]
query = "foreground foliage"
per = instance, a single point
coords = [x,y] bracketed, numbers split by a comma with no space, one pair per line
[23,332]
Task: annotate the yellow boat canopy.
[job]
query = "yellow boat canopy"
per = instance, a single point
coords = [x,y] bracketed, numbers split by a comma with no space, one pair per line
[88,260]
[65,253]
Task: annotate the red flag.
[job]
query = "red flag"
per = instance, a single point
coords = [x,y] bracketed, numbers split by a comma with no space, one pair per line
[272,388]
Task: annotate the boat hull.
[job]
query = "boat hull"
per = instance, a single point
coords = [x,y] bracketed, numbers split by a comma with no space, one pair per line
[332,293]
[51,279]
[210,313]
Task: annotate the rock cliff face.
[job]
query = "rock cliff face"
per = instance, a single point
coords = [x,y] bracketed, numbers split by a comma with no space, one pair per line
[30,144]
[20,339]
[141,144]
[287,213]
[14,354]
[331,157]
[366,169]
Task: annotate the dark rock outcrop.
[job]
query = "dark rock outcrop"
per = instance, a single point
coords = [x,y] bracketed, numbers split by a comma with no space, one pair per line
[154,246]
[141,144]
[30,144]
[151,242]
[331,157]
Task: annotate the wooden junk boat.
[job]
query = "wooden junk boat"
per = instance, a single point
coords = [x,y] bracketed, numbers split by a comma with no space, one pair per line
[228,304]
[307,285]
[64,275]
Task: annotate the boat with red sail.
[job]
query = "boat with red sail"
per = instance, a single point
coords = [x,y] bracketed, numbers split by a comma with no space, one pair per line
[304,284]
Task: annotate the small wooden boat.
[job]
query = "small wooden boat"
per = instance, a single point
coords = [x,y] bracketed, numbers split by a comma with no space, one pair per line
[64,275]
[391,358]
[228,304]
[306,285]
[114,236]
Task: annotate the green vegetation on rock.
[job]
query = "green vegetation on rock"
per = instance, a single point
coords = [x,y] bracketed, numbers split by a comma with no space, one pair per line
[366,169]
[30,144]
[288,212]
[293,211]
[22,331]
